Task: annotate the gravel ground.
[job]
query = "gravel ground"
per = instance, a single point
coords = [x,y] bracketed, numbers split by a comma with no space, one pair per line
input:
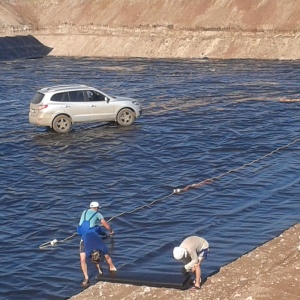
[271,271]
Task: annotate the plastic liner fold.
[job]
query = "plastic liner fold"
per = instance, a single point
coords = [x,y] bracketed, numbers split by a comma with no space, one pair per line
[22,47]
[176,281]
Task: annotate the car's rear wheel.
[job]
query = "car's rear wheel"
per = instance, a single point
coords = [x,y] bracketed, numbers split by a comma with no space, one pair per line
[62,124]
[125,117]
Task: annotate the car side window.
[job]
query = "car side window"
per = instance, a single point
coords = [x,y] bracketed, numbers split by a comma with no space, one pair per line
[38,97]
[76,96]
[60,97]
[95,96]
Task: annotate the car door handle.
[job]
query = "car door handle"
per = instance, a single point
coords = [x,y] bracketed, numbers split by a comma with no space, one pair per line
[66,106]
[93,105]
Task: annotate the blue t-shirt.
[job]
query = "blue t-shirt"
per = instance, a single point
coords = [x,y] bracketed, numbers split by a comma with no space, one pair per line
[92,241]
[95,219]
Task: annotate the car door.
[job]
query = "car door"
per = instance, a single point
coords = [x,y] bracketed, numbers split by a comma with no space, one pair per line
[77,107]
[101,109]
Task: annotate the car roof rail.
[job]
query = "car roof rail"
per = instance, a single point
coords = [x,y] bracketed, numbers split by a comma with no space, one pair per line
[64,86]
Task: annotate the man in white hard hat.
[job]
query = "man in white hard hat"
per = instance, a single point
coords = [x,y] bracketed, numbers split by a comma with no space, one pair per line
[194,248]
[90,221]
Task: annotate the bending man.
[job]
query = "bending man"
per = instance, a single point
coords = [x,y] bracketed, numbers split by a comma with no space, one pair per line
[93,247]
[194,248]
[89,222]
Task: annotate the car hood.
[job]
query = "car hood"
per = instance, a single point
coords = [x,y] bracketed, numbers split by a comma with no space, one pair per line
[119,98]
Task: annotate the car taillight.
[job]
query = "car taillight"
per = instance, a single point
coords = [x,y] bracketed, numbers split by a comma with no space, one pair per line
[42,107]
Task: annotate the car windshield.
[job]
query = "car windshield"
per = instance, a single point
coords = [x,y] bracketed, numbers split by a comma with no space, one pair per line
[38,97]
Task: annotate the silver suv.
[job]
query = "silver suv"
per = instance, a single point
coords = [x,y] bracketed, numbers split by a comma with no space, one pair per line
[61,106]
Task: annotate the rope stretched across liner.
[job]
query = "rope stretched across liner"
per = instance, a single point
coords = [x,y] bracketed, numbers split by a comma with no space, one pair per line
[178,191]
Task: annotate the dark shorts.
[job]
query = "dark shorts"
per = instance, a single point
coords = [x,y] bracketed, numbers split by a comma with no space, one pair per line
[203,253]
[103,249]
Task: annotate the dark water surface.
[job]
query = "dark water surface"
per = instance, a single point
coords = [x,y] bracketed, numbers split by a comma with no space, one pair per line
[201,119]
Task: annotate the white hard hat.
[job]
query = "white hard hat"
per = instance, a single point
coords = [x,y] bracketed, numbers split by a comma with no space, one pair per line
[94,204]
[179,253]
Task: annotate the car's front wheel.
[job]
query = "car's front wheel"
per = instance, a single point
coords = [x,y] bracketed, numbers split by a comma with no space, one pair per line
[62,124]
[125,117]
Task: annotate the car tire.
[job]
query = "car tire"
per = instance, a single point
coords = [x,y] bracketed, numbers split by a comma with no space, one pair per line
[125,117]
[62,124]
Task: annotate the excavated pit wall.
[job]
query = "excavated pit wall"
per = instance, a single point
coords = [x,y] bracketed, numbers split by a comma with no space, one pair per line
[259,29]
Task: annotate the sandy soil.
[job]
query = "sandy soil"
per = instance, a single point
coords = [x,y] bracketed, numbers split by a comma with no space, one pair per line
[271,271]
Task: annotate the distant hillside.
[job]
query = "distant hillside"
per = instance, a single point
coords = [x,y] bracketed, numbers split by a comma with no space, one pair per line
[266,29]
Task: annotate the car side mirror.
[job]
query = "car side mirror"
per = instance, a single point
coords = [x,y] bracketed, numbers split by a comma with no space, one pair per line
[107,99]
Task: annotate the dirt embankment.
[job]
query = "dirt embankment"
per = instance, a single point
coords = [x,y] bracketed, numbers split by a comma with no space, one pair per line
[263,29]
